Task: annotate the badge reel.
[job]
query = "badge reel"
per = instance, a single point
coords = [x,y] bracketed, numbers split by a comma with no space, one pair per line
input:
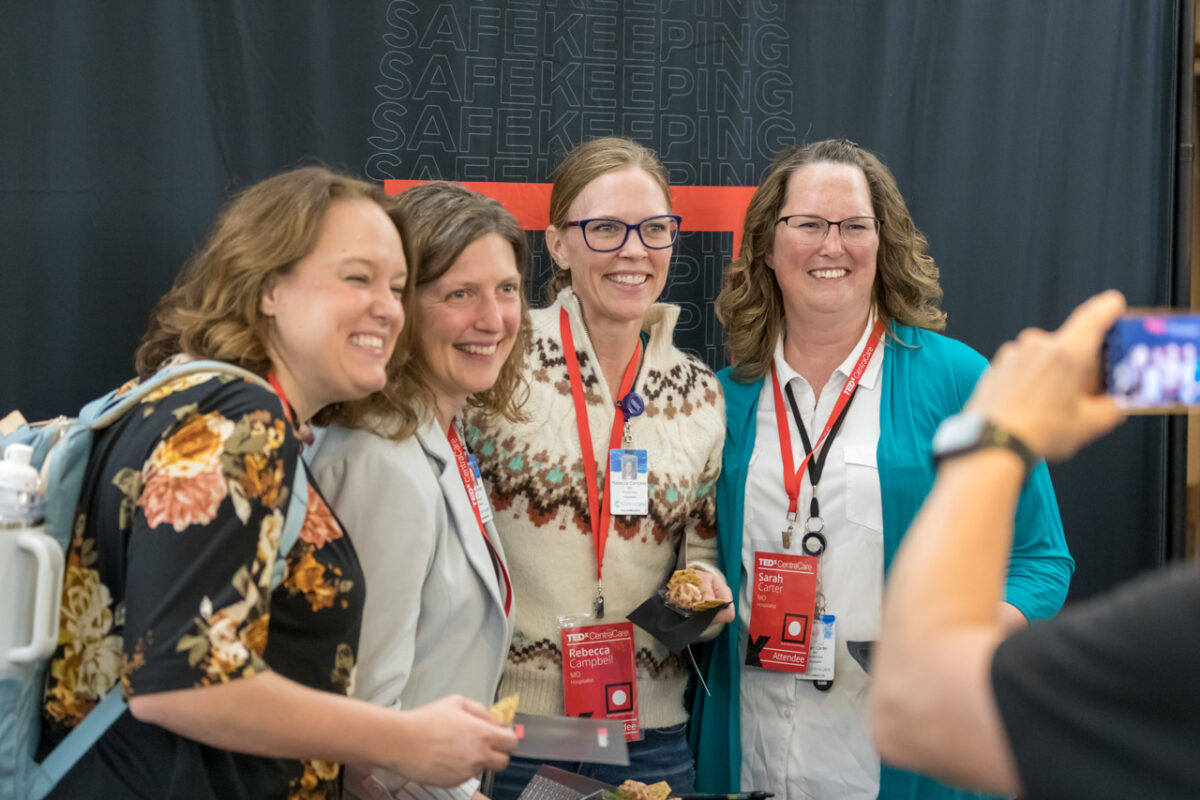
[813,542]
[628,468]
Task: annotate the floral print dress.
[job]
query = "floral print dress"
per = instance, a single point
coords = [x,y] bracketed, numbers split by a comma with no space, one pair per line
[168,587]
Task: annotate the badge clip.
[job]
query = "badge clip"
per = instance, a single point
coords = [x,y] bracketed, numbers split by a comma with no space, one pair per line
[632,405]
[787,533]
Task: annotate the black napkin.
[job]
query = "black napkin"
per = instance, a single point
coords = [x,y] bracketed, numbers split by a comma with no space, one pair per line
[673,627]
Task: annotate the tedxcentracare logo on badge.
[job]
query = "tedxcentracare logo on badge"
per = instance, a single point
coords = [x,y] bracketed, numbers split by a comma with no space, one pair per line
[618,697]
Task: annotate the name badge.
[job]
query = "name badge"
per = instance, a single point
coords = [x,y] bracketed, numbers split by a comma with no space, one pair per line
[599,676]
[628,482]
[822,650]
[781,613]
[481,498]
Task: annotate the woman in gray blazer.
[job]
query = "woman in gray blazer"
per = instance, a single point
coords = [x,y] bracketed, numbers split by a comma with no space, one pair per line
[395,469]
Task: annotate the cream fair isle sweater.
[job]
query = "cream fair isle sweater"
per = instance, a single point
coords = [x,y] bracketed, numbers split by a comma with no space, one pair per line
[534,473]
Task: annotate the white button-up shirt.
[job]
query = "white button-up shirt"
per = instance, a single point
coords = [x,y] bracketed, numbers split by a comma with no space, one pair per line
[797,741]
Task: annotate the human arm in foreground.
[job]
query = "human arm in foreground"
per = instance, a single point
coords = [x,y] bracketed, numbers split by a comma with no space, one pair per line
[933,706]
[442,743]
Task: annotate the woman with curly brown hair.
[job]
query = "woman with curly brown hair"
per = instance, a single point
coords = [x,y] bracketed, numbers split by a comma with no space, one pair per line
[839,380]
[235,667]
[395,469]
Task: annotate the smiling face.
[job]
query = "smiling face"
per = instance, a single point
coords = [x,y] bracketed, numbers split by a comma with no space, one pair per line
[620,286]
[335,316]
[469,319]
[827,277]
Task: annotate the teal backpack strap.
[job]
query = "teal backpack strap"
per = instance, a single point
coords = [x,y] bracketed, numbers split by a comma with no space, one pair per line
[297,507]
[76,441]
[108,409]
[82,737]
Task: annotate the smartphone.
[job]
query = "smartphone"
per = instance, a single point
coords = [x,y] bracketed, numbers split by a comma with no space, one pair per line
[1151,361]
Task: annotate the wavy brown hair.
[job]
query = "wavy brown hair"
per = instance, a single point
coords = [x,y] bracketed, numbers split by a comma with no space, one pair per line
[582,165]
[750,306]
[442,220]
[213,309]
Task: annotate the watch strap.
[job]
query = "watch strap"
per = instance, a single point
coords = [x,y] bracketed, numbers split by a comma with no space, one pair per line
[992,435]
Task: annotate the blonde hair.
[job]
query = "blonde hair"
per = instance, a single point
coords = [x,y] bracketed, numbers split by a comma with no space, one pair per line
[582,165]
[442,220]
[750,305]
[212,310]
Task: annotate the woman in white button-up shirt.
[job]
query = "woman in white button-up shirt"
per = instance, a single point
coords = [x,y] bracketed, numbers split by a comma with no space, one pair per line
[829,252]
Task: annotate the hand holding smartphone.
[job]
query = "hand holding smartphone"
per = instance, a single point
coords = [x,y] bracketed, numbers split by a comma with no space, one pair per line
[1150,361]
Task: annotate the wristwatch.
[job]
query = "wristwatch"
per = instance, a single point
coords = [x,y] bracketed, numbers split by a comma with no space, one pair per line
[967,432]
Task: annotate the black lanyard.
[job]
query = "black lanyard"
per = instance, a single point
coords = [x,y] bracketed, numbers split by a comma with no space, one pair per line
[814,542]
[817,465]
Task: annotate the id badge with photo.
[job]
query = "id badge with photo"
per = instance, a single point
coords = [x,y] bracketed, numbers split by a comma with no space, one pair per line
[481,498]
[821,650]
[628,482]
[781,613]
[599,674]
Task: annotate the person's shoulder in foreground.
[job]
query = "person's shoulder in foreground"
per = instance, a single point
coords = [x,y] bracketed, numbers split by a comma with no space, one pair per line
[1097,703]
[1106,701]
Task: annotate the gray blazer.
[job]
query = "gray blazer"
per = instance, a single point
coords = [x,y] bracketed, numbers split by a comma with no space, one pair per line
[434,621]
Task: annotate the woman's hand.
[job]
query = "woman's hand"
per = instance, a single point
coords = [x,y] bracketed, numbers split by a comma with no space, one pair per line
[451,740]
[714,587]
[443,743]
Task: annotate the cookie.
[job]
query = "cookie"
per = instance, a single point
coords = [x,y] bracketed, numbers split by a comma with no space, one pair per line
[505,709]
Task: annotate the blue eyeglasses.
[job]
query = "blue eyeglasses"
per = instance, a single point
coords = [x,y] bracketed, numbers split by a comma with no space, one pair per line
[605,235]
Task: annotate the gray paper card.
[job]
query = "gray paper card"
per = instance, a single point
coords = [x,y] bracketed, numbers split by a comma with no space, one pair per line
[598,741]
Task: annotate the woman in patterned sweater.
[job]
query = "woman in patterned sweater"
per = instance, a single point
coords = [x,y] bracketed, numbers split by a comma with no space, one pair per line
[605,343]
[236,690]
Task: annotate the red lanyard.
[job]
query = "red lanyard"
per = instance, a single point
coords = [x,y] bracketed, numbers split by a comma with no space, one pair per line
[468,479]
[301,428]
[287,407]
[599,514]
[791,479]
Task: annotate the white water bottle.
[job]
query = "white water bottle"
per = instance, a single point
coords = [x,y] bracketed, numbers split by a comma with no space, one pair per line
[31,567]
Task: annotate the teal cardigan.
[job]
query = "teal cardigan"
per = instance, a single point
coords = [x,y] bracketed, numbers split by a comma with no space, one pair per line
[926,378]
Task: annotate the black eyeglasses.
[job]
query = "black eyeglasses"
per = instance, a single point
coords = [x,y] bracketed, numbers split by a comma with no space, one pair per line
[813,229]
[605,235]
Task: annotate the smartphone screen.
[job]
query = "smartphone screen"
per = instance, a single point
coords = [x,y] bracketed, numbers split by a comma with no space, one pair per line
[1150,361]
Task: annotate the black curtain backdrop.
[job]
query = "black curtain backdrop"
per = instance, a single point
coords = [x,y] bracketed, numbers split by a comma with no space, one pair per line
[1035,140]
